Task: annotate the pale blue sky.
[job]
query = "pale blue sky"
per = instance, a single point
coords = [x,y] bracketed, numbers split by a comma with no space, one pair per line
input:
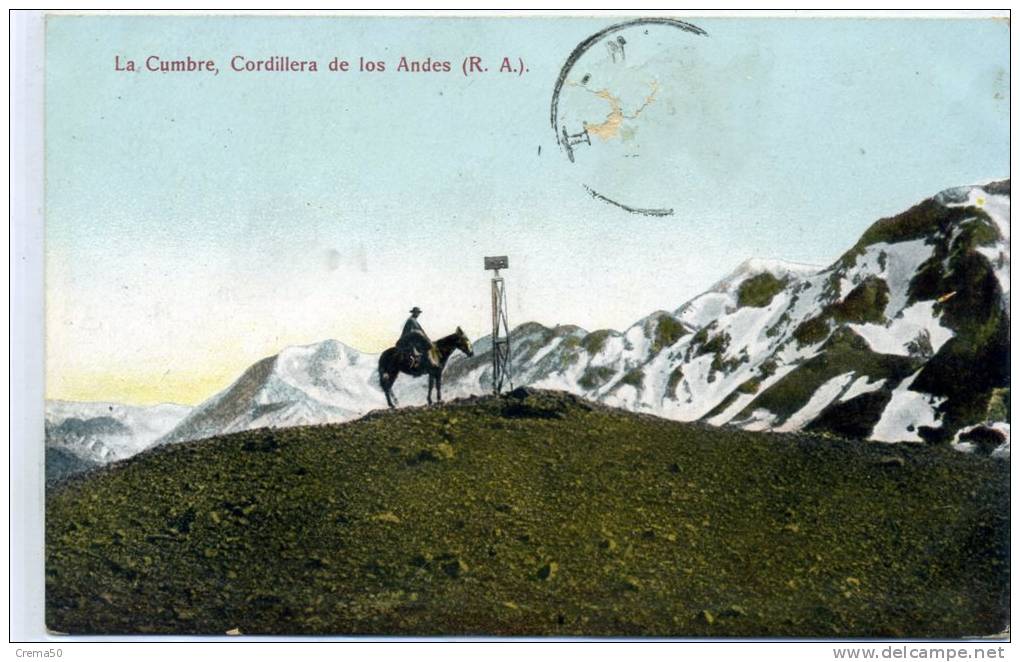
[196,223]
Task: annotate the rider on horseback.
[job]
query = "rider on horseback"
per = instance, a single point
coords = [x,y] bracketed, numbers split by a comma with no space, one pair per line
[413,339]
[416,355]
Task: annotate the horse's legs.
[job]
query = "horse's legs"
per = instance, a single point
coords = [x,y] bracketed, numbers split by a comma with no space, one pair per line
[430,389]
[387,384]
[439,387]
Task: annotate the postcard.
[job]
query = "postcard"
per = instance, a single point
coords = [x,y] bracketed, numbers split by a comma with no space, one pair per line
[630,325]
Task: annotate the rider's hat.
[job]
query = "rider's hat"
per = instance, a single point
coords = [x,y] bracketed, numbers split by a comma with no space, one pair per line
[416,309]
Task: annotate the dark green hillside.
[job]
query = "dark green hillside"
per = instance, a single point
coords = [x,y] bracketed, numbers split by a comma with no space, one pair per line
[532,514]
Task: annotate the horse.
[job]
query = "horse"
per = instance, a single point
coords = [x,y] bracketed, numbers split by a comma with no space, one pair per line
[391,364]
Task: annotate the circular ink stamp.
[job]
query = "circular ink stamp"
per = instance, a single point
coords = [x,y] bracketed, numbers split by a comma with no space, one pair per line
[614,106]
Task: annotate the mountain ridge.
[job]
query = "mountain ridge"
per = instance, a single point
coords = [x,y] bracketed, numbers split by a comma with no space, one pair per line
[903,338]
[741,340]
[100,431]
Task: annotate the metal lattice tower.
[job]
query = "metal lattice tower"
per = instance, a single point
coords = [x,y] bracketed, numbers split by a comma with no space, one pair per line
[500,325]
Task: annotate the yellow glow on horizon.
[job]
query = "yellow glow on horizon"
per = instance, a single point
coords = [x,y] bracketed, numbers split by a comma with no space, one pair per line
[139,389]
[192,386]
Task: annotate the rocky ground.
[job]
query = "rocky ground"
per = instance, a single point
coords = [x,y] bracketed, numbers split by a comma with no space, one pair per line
[536,513]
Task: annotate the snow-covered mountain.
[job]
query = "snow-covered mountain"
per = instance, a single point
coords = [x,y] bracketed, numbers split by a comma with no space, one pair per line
[95,433]
[904,338]
[327,382]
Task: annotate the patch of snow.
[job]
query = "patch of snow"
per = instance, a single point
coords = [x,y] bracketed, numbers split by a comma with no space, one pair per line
[901,259]
[998,257]
[720,299]
[328,372]
[735,408]
[747,327]
[997,207]
[625,396]
[860,386]
[610,353]
[636,341]
[895,336]
[702,310]
[759,420]
[1002,452]
[845,287]
[906,412]
[757,265]
[545,350]
[558,381]
[819,400]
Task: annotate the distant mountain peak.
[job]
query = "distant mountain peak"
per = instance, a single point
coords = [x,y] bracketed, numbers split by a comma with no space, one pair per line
[100,432]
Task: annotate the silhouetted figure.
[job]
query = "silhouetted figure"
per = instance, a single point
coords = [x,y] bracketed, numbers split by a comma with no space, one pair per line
[431,361]
[414,342]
